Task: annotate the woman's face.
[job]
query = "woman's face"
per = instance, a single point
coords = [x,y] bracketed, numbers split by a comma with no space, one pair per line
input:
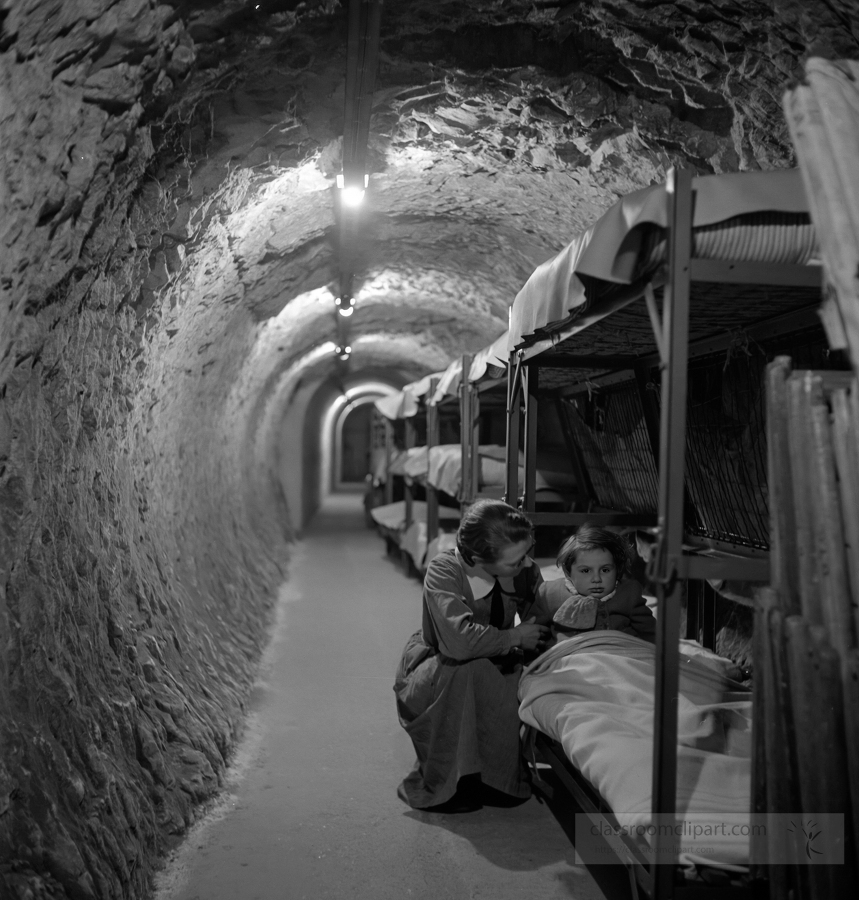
[510,561]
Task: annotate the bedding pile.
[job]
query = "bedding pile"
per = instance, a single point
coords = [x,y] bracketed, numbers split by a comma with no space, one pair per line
[594,694]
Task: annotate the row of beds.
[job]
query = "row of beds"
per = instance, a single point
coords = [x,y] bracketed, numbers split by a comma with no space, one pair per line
[646,339]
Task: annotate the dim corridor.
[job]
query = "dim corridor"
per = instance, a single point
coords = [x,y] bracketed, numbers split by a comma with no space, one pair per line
[310,809]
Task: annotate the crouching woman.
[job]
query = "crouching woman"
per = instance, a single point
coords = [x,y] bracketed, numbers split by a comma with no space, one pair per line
[458,678]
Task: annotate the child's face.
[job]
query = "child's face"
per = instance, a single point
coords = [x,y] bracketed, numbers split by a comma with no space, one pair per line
[593,573]
[510,562]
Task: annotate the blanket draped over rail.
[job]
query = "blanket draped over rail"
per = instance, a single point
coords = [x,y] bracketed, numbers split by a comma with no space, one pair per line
[594,694]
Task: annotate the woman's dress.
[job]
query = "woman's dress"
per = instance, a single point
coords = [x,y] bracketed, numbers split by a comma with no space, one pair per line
[458,679]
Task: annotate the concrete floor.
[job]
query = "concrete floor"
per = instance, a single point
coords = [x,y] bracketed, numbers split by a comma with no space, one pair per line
[310,809]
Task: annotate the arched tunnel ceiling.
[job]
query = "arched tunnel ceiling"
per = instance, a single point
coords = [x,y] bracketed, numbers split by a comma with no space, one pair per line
[499,129]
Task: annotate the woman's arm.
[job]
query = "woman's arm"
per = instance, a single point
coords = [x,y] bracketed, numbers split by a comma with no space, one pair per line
[452,620]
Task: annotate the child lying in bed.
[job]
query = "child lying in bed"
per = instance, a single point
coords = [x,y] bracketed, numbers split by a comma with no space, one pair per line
[594,593]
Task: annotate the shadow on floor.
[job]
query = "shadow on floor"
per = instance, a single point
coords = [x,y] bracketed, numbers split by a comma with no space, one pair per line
[488,830]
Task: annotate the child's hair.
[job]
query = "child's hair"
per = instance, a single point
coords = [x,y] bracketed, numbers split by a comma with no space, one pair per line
[488,527]
[592,537]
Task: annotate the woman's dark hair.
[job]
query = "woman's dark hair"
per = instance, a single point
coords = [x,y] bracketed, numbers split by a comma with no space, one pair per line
[488,527]
[592,537]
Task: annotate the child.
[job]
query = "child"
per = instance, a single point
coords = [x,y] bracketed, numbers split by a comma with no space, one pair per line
[593,593]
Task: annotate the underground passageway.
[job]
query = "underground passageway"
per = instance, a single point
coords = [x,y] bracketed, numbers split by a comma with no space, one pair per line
[175,265]
[312,809]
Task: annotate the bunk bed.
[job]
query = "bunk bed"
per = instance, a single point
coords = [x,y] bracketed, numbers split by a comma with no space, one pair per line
[402,523]
[648,333]
[422,528]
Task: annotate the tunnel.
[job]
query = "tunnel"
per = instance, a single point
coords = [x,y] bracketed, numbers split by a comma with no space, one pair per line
[172,398]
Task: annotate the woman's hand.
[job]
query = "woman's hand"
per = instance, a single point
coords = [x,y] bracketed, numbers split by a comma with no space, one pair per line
[531,634]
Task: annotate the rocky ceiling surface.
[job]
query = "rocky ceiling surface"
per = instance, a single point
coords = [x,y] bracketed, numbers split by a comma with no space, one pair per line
[169,253]
[499,129]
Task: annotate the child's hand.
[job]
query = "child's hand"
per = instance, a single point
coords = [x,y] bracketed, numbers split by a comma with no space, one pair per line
[531,634]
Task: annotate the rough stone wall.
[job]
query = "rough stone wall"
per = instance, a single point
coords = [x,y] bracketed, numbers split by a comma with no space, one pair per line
[134,589]
[134,592]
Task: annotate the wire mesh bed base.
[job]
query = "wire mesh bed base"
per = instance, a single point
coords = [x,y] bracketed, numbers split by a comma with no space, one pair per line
[726,452]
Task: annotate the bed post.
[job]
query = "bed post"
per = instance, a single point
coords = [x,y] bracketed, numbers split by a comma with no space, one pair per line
[511,491]
[409,493]
[432,441]
[474,459]
[466,434]
[389,452]
[530,382]
[669,551]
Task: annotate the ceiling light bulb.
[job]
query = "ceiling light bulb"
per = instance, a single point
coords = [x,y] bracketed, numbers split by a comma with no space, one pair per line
[352,196]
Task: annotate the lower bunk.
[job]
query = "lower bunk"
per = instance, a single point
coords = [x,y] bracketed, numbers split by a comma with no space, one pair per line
[588,705]
[408,539]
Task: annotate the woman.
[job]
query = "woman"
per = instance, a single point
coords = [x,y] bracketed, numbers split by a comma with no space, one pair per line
[458,678]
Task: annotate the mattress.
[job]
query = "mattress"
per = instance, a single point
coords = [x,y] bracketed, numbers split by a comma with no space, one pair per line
[594,695]
[392,516]
[747,216]
[445,470]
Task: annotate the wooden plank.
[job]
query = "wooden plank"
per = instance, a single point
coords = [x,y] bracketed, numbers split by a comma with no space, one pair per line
[782,789]
[845,435]
[763,699]
[837,95]
[829,532]
[851,728]
[802,391]
[784,571]
[831,751]
[825,191]
[804,704]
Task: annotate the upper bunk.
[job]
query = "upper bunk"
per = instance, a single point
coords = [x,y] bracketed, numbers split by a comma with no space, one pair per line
[753,265]
[684,290]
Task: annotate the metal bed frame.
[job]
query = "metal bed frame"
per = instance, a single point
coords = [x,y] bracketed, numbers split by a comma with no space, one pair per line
[667,429]
[467,404]
[432,414]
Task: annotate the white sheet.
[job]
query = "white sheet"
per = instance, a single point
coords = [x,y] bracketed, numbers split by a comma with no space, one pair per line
[594,694]
[444,470]
[393,515]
